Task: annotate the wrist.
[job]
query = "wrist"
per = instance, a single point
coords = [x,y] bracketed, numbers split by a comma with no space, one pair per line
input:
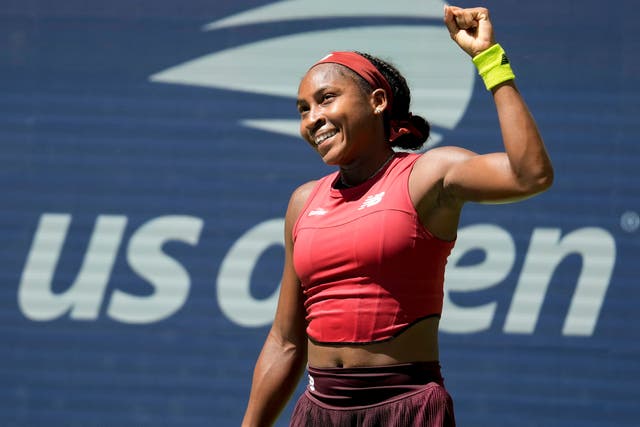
[493,66]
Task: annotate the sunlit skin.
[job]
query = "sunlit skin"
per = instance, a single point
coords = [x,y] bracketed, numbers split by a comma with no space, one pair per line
[329,100]
[440,183]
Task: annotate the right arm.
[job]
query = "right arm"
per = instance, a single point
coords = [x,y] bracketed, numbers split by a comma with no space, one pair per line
[284,354]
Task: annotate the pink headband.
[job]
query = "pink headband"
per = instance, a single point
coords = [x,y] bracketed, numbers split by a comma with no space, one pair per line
[362,67]
[365,69]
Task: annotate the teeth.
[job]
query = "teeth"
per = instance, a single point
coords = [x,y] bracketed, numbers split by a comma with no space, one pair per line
[324,136]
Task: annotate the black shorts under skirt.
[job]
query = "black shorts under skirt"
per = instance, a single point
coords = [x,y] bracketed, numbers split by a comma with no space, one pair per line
[406,395]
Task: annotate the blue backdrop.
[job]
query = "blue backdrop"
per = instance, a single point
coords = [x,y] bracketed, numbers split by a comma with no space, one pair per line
[148,152]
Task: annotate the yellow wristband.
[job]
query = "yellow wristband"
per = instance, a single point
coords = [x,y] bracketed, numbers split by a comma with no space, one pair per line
[493,66]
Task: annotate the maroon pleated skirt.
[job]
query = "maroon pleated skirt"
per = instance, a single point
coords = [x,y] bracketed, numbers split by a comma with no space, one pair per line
[405,395]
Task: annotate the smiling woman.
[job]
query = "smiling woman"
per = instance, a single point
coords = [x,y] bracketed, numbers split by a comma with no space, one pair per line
[337,93]
[366,246]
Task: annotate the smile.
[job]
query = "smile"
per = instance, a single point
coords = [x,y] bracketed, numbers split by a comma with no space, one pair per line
[319,139]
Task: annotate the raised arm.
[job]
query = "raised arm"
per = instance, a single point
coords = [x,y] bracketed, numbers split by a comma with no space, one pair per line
[284,354]
[524,169]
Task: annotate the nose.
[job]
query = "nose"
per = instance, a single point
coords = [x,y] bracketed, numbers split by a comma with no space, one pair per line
[313,120]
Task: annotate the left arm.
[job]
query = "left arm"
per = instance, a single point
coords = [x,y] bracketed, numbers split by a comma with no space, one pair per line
[524,169]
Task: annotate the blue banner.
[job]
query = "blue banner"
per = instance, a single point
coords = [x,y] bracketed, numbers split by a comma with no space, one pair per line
[149,149]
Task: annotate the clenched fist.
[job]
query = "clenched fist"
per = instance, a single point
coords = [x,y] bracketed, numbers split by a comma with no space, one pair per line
[470,28]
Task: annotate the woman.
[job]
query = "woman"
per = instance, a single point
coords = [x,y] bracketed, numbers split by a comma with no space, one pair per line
[366,246]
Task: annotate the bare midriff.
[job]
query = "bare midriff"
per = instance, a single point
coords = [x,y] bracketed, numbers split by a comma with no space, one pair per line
[419,343]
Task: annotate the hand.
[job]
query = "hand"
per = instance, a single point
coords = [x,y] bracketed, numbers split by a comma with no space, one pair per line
[471,28]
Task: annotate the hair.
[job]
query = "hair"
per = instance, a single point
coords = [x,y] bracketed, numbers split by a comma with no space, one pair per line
[401,103]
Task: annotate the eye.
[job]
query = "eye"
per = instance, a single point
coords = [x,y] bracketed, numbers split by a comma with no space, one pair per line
[328,97]
[302,109]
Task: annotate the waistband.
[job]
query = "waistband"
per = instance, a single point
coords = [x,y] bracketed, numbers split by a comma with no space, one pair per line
[362,386]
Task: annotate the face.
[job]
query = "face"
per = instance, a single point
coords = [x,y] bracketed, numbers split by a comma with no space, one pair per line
[336,115]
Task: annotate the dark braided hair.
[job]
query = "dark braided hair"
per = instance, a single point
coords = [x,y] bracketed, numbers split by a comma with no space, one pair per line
[400,108]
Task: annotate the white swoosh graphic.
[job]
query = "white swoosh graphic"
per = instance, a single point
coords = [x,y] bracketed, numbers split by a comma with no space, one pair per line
[305,9]
[440,75]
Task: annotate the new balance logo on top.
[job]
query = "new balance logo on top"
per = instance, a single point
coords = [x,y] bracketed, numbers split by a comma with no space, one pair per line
[371,201]
[318,211]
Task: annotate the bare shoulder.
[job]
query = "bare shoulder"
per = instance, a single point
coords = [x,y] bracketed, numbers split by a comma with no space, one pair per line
[299,198]
[428,179]
[302,193]
[442,158]
[433,165]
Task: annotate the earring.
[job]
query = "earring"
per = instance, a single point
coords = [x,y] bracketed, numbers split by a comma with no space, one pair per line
[378,111]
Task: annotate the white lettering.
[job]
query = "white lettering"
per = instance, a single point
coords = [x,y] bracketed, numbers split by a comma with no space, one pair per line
[168,277]
[171,281]
[499,249]
[234,278]
[546,251]
[84,296]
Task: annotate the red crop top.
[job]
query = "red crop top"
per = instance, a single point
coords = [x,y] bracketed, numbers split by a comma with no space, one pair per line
[369,268]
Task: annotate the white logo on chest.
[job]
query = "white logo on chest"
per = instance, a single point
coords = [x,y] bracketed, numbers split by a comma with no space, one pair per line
[318,211]
[371,201]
